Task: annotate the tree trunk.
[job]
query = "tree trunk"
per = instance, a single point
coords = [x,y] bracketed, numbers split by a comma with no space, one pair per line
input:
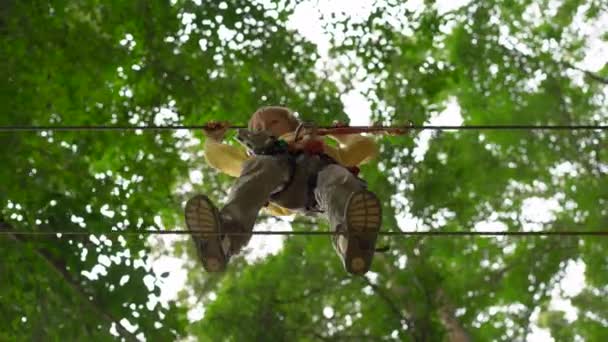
[456,332]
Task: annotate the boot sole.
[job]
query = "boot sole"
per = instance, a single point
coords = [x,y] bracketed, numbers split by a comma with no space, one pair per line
[203,217]
[363,217]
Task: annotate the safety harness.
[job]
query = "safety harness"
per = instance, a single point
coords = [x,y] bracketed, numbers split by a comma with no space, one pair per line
[263,143]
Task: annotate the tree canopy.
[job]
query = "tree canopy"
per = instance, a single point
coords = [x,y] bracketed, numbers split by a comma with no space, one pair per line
[189,62]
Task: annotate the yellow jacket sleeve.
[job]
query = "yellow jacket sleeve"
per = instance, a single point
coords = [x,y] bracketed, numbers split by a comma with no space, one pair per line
[225,158]
[352,149]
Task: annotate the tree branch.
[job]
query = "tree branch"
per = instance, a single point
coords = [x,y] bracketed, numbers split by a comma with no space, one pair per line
[536,64]
[587,73]
[456,332]
[458,10]
[391,305]
[60,269]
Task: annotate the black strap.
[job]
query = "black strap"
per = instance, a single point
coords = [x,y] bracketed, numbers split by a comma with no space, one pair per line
[292,171]
[312,204]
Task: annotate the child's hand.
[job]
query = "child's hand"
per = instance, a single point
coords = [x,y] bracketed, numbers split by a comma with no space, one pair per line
[339,124]
[216,130]
[336,128]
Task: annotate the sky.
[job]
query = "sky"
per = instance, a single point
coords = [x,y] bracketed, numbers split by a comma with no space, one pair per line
[306,21]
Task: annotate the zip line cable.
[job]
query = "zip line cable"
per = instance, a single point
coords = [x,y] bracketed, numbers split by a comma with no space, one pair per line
[17,128]
[318,233]
[338,129]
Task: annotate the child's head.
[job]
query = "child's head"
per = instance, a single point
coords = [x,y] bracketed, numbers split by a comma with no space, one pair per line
[277,120]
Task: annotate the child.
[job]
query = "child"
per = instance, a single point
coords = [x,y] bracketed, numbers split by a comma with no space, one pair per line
[287,181]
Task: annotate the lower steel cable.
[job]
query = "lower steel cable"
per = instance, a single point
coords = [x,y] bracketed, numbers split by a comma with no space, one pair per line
[322,233]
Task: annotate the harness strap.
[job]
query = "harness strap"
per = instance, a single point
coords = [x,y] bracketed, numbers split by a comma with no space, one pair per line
[311,148]
[312,204]
[292,172]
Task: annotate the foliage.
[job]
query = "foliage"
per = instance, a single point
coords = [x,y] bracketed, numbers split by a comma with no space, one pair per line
[121,63]
[155,62]
[501,64]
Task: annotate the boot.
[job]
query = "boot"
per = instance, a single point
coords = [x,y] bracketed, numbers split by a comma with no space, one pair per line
[213,248]
[360,227]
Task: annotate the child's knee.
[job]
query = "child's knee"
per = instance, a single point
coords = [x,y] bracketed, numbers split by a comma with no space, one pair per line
[335,175]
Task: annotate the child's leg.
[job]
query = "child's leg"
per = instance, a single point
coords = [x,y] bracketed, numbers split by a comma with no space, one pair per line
[353,209]
[261,176]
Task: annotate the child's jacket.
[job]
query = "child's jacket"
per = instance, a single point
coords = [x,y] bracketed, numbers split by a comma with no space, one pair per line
[352,150]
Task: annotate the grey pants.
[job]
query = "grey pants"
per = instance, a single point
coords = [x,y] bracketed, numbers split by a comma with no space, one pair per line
[263,176]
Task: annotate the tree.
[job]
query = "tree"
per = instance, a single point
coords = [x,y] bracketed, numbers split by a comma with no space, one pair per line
[179,62]
[121,63]
[502,63]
